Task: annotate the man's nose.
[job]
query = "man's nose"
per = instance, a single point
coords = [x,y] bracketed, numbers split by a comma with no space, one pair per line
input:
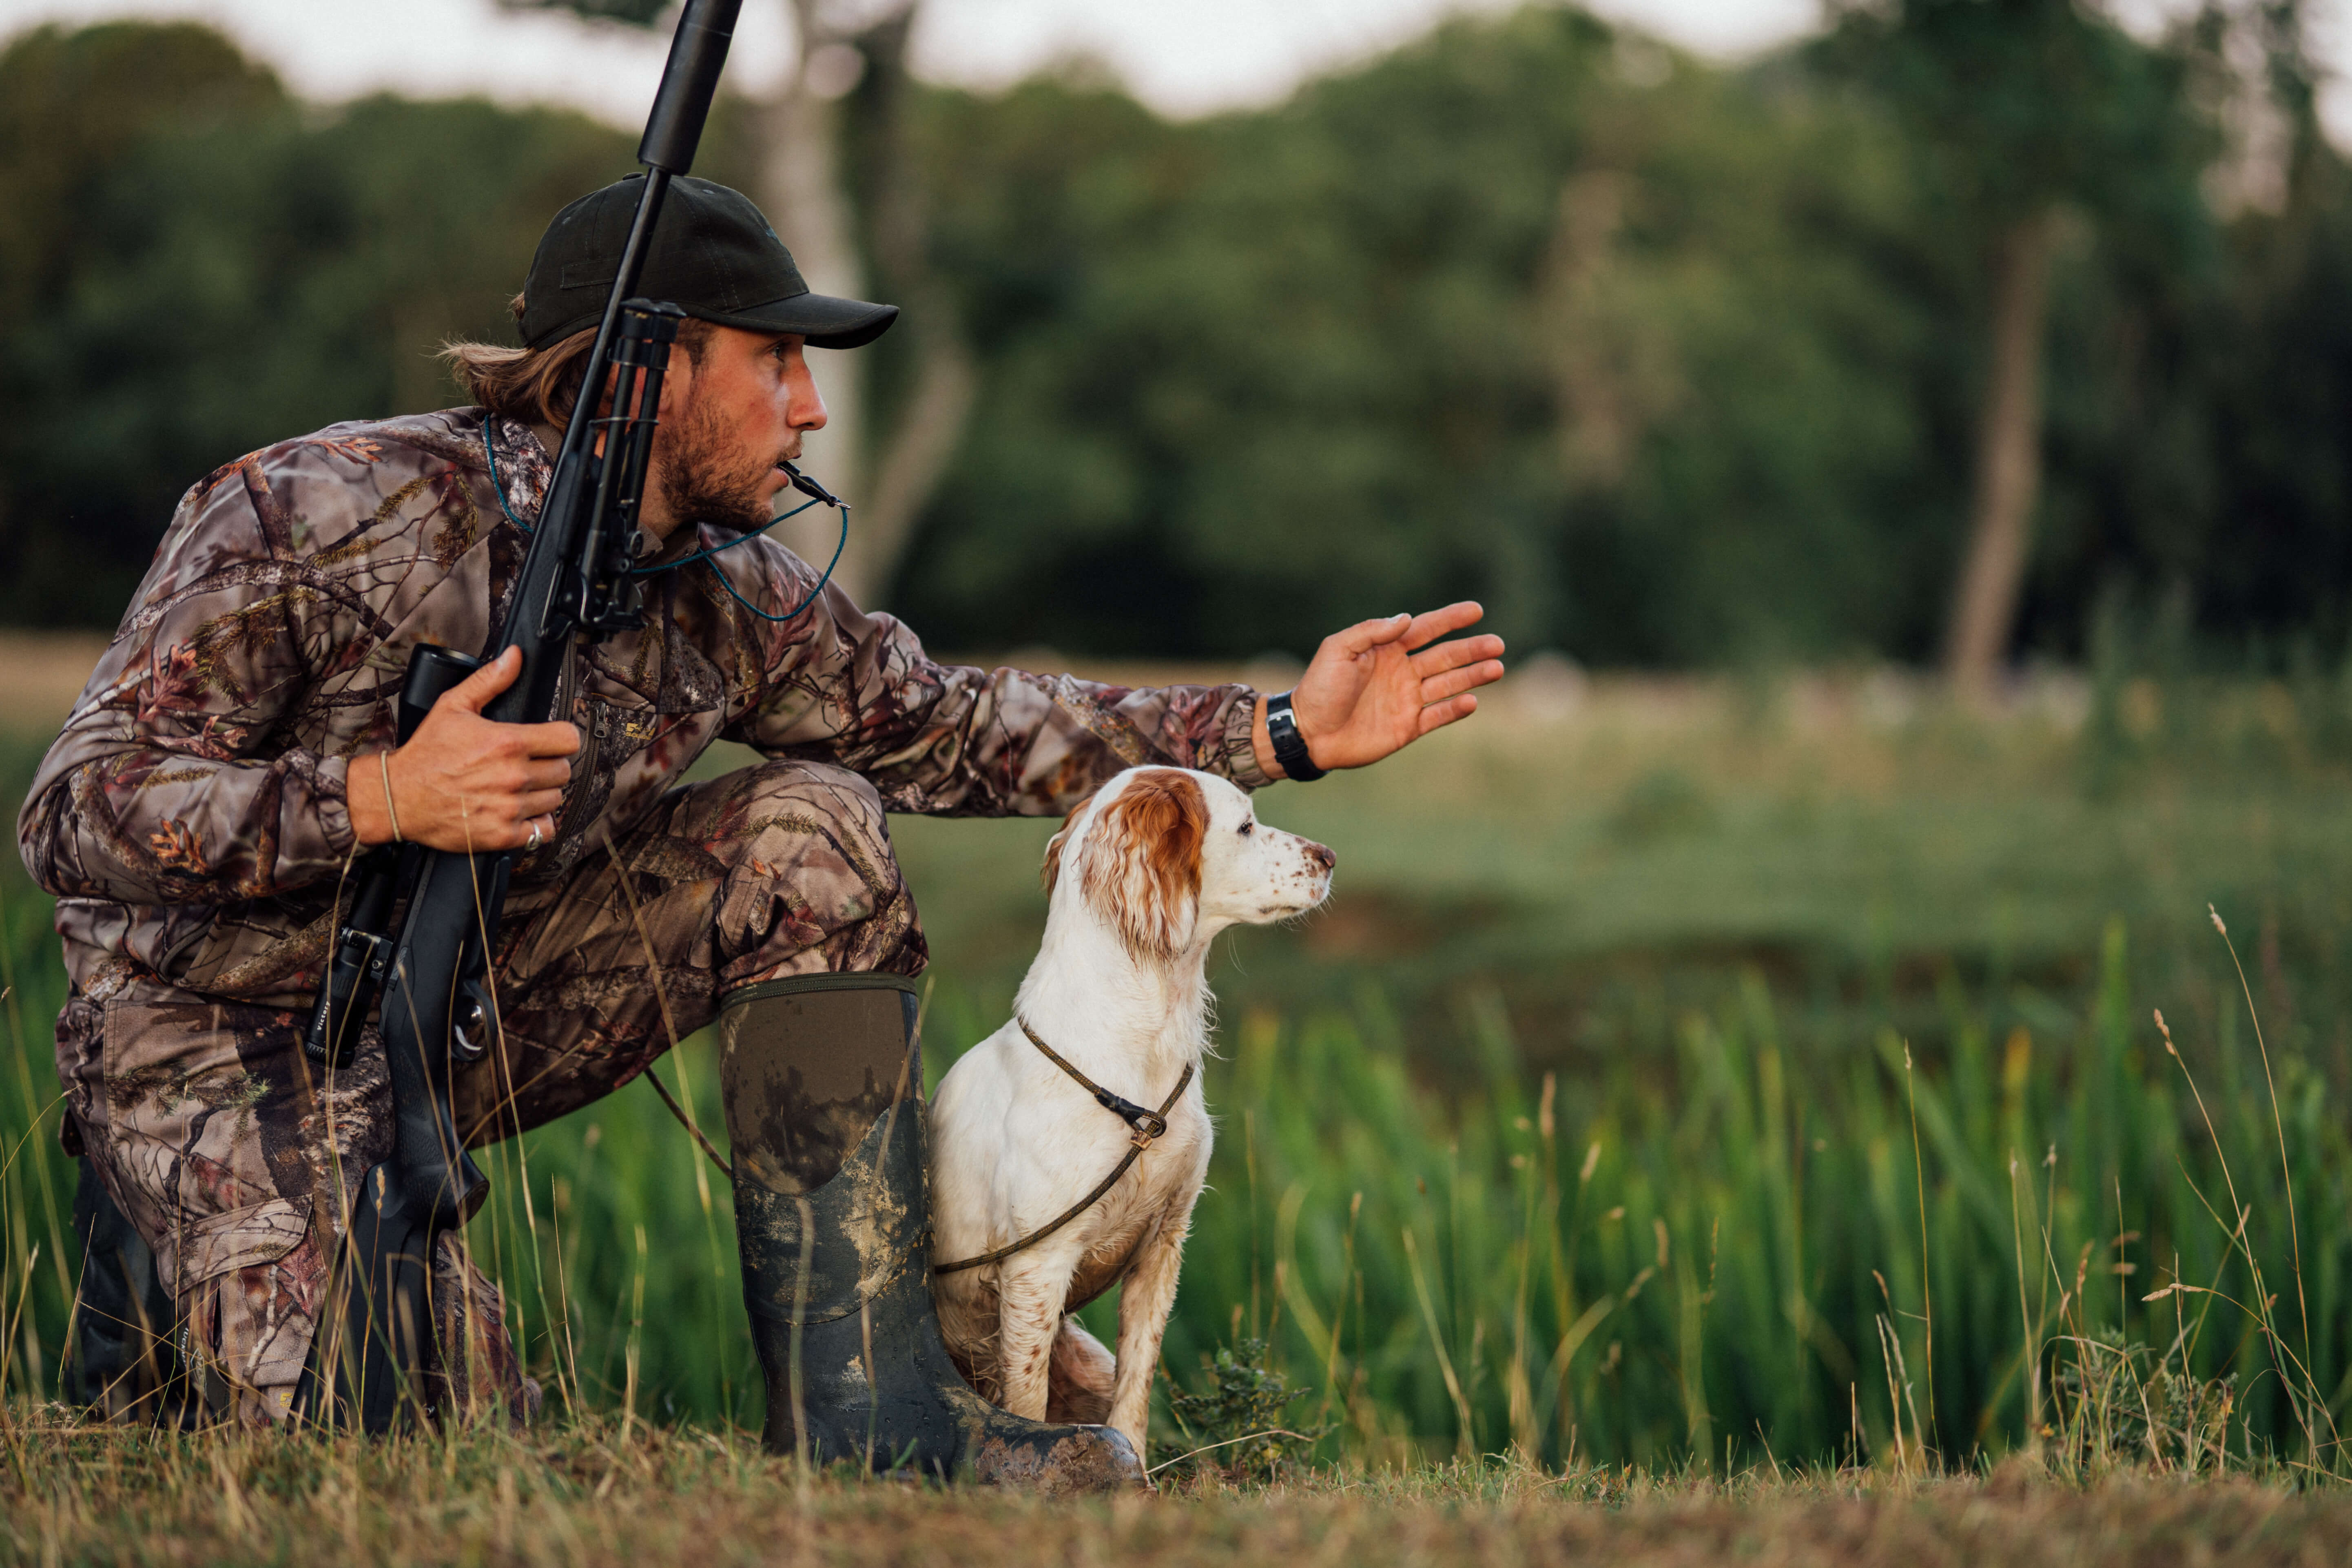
[1319,855]
[803,405]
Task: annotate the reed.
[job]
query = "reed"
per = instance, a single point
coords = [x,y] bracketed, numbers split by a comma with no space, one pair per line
[1874,1211]
[1764,1263]
[1728,1264]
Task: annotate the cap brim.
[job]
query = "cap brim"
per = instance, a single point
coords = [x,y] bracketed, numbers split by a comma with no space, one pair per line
[826,321]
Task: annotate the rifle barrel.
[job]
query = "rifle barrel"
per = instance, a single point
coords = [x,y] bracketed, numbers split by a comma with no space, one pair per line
[690,82]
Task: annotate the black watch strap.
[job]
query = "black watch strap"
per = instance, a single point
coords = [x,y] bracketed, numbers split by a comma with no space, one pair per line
[1289,746]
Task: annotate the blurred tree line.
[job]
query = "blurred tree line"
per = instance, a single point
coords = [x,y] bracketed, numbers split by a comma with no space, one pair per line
[1668,362]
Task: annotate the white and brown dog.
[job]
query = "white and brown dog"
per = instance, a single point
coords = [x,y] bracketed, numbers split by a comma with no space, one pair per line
[1140,879]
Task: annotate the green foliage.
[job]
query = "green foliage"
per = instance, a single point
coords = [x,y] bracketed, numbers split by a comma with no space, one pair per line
[1506,314]
[1667,362]
[2120,1404]
[233,277]
[2016,104]
[1674,1217]
[1613,1273]
[637,13]
[1241,1423]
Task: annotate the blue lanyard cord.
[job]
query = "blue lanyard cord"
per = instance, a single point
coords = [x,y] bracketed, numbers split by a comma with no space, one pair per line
[491,453]
[839,545]
[499,490]
[707,555]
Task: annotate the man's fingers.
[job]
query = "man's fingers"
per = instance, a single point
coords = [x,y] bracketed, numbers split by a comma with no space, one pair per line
[1437,687]
[473,694]
[1366,635]
[556,739]
[546,774]
[537,802]
[1438,715]
[1432,624]
[490,826]
[519,836]
[1446,656]
[516,806]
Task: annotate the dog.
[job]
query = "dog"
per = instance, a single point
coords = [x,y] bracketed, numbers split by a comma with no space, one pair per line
[1140,880]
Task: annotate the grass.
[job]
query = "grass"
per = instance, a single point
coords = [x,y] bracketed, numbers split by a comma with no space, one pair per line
[1718,1102]
[586,1495]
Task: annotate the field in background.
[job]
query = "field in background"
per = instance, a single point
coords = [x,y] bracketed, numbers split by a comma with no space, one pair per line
[1686,1074]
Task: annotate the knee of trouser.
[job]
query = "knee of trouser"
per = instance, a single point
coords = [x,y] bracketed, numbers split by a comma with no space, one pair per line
[810,865]
[803,817]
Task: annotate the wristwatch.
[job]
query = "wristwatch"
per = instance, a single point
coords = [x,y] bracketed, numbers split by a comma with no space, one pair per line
[1289,746]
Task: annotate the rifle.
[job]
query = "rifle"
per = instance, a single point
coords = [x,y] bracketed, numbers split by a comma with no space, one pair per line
[432,973]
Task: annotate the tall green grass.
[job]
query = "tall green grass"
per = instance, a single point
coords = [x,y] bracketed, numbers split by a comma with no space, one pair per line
[1739,1220]
[1792,1255]
[1781,1254]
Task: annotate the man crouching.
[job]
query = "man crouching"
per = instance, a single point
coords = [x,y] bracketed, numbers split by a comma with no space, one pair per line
[235,750]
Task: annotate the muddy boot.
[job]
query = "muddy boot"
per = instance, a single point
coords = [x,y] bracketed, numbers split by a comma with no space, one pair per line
[824,1084]
[120,1363]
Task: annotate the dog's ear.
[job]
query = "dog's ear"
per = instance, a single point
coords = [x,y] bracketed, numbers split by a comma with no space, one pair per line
[1141,868]
[1052,873]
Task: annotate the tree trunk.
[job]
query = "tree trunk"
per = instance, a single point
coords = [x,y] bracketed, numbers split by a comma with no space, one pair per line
[887,474]
[803,192]
[2009,461]
[923,433]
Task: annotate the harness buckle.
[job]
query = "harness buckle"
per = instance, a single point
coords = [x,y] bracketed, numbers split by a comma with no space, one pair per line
[1147,1126]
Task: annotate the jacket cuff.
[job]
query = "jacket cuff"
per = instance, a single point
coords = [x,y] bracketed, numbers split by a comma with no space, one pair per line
[1237,754]
[331,794]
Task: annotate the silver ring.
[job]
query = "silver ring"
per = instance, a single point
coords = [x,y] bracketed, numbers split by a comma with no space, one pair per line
[533,843]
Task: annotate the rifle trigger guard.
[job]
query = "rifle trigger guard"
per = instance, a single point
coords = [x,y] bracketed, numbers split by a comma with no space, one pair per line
[471,1036]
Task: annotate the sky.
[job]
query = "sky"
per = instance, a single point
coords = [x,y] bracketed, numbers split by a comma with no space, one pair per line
[1184,59]
[1188,58]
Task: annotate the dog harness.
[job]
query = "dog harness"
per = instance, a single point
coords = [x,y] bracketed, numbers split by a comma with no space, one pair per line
[1143,1127]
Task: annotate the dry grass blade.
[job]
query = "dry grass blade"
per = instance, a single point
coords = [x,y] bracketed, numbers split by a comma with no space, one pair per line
[2286,1167]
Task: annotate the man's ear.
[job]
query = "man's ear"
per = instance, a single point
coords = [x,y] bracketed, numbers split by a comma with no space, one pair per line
[1142,867]
[678,382]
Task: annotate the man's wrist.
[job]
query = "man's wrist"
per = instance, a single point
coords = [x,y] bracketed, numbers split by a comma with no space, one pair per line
[1262,743]
[1287,741]
[363,799]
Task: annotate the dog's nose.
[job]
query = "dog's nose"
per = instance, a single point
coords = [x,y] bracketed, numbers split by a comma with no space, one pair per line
[1320,855]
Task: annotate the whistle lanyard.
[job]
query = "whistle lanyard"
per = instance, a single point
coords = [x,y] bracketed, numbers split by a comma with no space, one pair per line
[500,489]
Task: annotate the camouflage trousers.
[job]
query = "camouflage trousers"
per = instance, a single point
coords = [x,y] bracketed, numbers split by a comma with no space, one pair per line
[229,1151]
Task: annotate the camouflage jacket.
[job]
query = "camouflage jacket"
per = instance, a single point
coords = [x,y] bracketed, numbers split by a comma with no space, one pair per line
[190,818]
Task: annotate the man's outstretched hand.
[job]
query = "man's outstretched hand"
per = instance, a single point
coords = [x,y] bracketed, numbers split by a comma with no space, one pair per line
[1381,685]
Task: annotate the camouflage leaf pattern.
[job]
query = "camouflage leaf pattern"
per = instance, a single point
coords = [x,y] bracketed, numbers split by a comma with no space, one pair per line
[191,819]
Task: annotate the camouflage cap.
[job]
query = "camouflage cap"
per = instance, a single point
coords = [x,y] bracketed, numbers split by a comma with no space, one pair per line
[713,256]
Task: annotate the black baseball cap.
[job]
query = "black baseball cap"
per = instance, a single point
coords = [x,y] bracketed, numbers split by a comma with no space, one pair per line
[713,256]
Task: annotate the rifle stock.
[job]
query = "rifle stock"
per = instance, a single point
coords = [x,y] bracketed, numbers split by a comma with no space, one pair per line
[439,1007]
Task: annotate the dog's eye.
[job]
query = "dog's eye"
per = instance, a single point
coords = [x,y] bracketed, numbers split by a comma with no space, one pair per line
[1246,829]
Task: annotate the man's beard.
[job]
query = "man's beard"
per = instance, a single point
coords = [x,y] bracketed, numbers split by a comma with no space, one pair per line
[702,480]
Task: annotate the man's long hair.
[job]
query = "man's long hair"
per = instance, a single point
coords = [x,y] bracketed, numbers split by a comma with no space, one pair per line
[538,386]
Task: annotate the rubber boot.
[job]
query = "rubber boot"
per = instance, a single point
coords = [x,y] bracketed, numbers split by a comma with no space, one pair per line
[824,1081]
[120,1363]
